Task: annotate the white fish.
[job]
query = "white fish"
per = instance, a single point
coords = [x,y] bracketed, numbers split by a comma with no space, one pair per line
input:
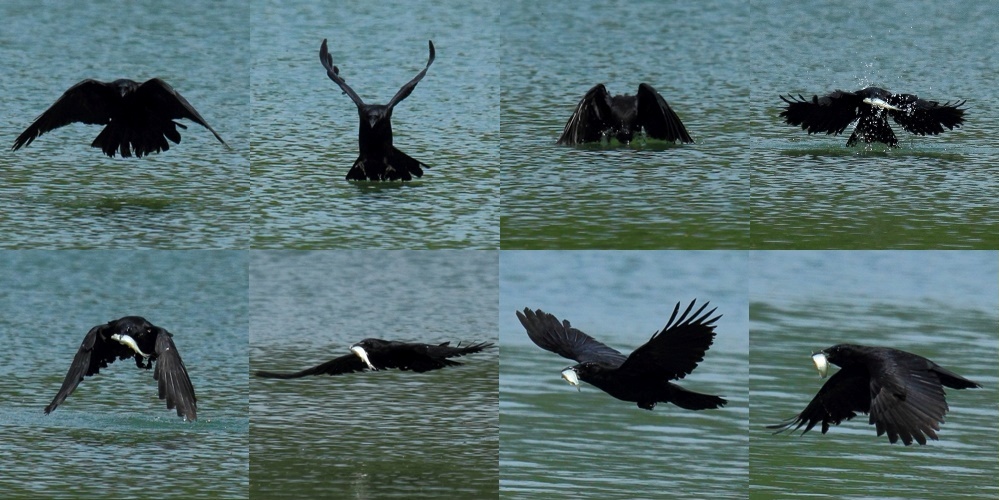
[361,353]
[570,376]
[821,363]
[130,342]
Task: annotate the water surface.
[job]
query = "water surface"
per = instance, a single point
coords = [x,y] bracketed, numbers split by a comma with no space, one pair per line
[812,192]
[305,128]
[385,434]
[113,435]
[649,195]
[941,305]
[61,193]
[560,442]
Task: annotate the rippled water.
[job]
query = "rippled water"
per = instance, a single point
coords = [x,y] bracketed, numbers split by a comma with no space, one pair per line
[61,193]
[305,129]
[941,305]
[932,192]
[113,436]
[648,195]
[557,441]
[387,434]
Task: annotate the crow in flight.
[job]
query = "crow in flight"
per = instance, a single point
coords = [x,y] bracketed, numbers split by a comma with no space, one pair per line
[642,377]
[873,106]
[902,392]
[599,115]
[378,160]
[130,337]
[138,118]
[378,354]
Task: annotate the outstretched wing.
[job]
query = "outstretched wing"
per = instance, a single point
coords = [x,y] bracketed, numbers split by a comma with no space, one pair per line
[591,117]
[334,73]
[657,118]
[338,366]
[408,88]
[674,351]
[163,101]
[924,117]
[96,352]
[425,357]
[907,398]
[844,395]
[830,114]
[89,101]
[173,381]
[548,333]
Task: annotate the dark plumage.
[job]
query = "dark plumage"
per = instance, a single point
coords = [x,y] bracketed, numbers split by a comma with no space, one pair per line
[902,392]
[138,118]
[378,354]
[133,337]
[378,160]
[872,106]
[599,115]
[643,376]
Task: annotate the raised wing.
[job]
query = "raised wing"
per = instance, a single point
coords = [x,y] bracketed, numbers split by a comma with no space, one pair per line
[97,351]
[924,117]
[844,395]
[348,363]
[408,88]
[590,118]
[548,333]
[165,102]
[830,114]
[334,73]
[674,351]
[89,101]
[171,374]
[657,118]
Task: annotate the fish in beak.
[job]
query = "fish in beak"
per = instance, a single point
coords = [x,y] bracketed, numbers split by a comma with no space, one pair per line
[880,103]
[361,353]
[130,342]
[570,376]
[821,363]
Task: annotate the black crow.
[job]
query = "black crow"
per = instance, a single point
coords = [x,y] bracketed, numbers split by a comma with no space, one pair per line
[642,377]
[378,354]
[378,160]
[873,106]
[138,118]
[902,392]
[130,337]
[599,115]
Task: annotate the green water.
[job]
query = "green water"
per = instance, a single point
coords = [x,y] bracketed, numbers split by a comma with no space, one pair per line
[806,301]
[61,193]
[812,192]
[305,130]
[645,196]
[387,434]
[113,436]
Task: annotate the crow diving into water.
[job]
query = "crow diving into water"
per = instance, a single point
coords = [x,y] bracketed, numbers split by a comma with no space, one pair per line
[130,337]
[378,160]
[138,118]
[642,377]
[902,392]
[873,106]
[378,354]
[598,115]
